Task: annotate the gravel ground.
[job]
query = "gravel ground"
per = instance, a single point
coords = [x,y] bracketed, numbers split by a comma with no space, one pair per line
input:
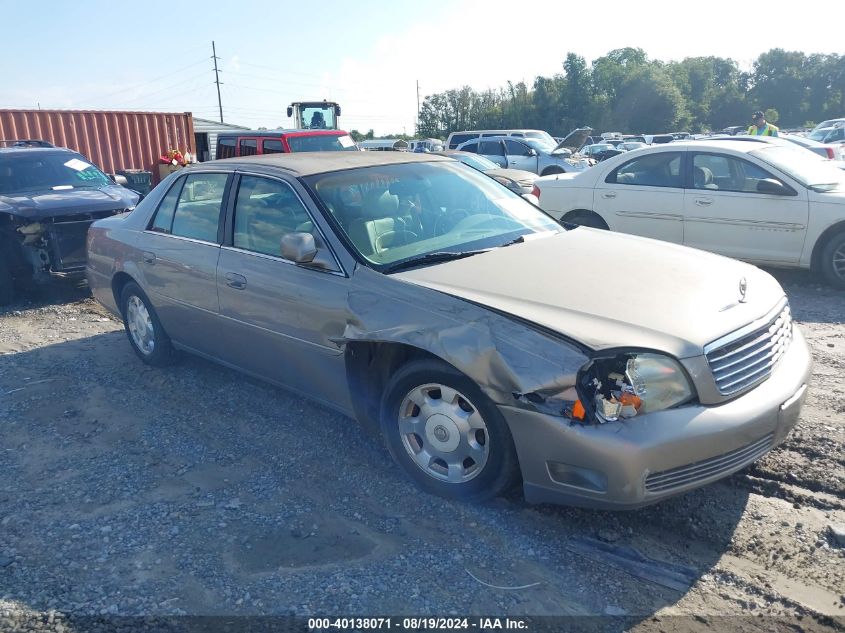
[195,490]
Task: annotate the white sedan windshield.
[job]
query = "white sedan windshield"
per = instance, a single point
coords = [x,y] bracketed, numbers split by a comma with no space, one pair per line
[806,169]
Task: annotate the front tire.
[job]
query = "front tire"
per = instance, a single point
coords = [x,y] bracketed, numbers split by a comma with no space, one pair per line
[446,434]
[143,328]
[833,261]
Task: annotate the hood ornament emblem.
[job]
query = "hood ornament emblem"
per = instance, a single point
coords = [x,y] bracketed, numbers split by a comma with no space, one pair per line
[743,289]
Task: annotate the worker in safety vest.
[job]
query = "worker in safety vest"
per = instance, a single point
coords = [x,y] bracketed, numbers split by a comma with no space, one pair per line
[761,127]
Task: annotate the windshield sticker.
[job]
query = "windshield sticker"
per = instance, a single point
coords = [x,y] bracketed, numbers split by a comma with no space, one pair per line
[62,187]
[345,141]
[78,165]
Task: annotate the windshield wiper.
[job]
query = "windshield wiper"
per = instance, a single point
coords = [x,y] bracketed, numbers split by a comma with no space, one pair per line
[527,237]
[430,258]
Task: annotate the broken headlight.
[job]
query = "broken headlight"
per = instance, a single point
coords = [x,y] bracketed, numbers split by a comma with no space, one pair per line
[629,384]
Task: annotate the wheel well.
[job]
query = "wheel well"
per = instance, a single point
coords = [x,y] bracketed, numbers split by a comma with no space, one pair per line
[369,366]
[584,212]
[824,238]
[548,171]
[118,283]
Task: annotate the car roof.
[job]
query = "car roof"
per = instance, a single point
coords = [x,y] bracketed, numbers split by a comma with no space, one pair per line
[281,133]
[309,163]
[716,145]
[29,151]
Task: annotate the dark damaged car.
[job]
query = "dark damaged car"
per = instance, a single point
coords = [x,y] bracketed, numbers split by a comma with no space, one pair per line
[484,342]
[49,196]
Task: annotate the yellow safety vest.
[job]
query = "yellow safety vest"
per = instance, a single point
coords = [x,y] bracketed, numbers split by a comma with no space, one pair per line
[768,131]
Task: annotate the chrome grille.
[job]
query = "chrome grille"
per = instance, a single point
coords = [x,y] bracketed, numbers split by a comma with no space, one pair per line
[742,359]
[714,467]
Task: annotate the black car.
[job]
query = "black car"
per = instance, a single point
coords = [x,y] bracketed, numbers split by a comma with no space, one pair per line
[49,196]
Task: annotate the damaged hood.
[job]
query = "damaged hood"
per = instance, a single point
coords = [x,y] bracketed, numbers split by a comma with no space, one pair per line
[575,139]
[609,290]
[38,205]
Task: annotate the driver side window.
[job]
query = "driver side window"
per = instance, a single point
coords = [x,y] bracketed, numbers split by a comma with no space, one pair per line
[265,211]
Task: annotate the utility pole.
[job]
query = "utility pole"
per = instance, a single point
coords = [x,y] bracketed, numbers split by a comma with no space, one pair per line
[217,79]
[417,127]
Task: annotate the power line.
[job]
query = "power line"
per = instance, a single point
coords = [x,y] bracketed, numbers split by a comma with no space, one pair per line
[144,83]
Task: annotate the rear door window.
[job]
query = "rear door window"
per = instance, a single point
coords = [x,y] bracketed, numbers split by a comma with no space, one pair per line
[225,147]
[197,214]
[248,147]
[491,148]
[273,146]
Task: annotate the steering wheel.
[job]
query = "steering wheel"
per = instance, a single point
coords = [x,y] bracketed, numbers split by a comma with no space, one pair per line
[451,219]
[394,238]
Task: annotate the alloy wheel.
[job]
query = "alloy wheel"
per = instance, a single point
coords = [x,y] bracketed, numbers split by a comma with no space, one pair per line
[444,433]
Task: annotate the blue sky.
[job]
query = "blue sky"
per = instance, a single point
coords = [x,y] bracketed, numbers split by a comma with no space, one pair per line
[365,54]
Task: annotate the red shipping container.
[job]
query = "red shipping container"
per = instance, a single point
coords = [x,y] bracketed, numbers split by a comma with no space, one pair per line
[112,140]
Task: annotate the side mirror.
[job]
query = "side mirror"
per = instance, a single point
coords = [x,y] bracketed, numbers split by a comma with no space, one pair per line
[531,152]
[290,111]
[299,247]
[773,187]
[337,110]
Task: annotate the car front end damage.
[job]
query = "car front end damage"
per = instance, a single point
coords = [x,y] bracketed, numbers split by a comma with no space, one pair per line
[49,245]
[710,416]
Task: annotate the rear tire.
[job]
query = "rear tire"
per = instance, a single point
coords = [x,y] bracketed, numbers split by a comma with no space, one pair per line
[7,283]
[551,171]
[832,261]
[586,218]
[143,328]
[455,443]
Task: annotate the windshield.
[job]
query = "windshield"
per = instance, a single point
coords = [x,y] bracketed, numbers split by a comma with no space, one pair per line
[322,143]
[819,175]
[48,172]
[319,117]
[403,212]
[478,162]
[542,136]
[541,145]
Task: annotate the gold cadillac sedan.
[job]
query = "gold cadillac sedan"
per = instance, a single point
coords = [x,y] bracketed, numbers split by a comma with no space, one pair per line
[486,343]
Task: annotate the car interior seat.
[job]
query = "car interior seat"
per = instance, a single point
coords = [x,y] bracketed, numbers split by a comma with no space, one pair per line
[380,226]
[703,178]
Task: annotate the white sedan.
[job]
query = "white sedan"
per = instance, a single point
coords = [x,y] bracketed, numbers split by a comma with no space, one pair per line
[762,203]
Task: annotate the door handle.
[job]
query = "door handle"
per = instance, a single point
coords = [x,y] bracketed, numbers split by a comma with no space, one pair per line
[608,195]
[149,258]
[704,202]
[236,281]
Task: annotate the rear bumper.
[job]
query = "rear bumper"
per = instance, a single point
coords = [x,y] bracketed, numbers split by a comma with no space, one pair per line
[641,461]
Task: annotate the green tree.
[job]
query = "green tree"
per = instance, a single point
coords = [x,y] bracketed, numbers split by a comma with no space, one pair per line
[649,102]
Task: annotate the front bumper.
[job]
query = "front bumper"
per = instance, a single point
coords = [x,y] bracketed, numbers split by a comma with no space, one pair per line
[628,464]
